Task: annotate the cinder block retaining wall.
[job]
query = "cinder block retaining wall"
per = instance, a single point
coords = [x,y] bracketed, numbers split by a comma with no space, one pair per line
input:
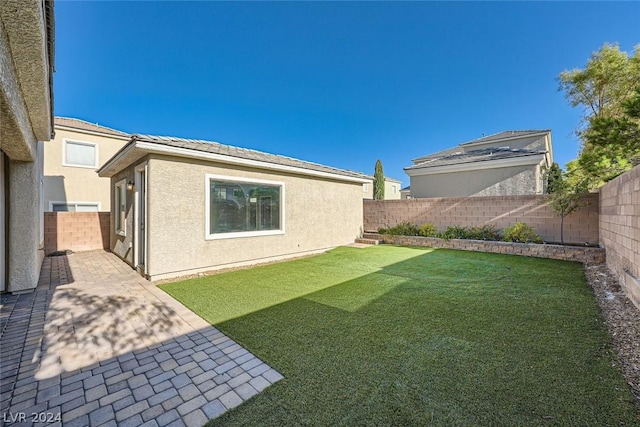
[580,227]
[567,253]
[77,231]
[620,230]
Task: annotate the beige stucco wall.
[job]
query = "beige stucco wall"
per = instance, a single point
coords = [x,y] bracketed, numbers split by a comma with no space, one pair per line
[389,192]
[25,107]
[367,191]
[515,180]
[77,184]
[319,214]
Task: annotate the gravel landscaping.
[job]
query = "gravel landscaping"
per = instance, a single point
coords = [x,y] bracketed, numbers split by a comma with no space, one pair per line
[622,318]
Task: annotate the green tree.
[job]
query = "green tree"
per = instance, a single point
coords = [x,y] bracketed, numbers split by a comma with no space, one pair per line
[553,176]
[378,182]
[608,89]
[566,199]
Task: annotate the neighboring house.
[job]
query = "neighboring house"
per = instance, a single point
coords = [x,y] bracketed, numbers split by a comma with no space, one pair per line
[405,193]
[507,163]
[185,206]
[26,108]
[391,188]
[71,159]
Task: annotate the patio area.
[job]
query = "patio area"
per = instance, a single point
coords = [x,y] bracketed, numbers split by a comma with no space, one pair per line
[96,344]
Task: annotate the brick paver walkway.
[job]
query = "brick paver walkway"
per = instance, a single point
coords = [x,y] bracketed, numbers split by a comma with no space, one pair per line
[97,345]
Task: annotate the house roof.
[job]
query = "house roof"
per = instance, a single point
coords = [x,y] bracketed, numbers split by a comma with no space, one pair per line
[388,178]
[506,134]
[195,148]
[83,125]
[477,155]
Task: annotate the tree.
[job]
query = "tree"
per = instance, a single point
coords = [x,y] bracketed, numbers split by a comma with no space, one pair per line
[567,198]
[614,142]
[553,176]
[608,89]
[378,182]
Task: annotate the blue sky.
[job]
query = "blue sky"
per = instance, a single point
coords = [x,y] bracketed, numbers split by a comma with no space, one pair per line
[338,83]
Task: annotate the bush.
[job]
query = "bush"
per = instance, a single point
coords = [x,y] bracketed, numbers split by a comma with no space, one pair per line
[428,230]
[455,232]
[521,233]
[486,232]
[402,229]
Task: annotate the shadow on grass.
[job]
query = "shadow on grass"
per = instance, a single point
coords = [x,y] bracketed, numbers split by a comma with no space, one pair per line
[443,338]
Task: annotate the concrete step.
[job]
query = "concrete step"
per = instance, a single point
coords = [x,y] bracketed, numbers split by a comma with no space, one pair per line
[368,241]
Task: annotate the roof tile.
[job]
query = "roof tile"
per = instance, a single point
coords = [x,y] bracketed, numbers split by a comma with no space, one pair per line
[244,153]
[83,125]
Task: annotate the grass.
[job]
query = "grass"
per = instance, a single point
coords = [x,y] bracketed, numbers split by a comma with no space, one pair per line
[412,336]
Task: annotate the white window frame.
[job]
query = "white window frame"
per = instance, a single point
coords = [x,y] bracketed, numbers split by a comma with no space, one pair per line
[207,203]
[73,141]
[59,202]
[123,231]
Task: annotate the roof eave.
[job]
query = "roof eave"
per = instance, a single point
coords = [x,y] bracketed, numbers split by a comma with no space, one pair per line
[92,132]
[509,138]
[532,159]
[136,149]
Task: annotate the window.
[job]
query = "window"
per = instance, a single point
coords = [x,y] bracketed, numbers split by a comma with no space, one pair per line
[80,154]
[120,204]
[238,207]
[365,188]
[74,207]
[395,190]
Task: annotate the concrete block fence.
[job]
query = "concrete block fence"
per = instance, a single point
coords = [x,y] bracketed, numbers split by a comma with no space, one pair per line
[503,211]
[620,230]
[76,231]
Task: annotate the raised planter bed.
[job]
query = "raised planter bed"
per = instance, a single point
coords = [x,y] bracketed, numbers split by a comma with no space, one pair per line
[587,255]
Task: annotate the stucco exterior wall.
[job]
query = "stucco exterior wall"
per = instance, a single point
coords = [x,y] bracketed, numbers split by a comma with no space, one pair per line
[515,180]
[389,193]
[367,191]
[392,190]
[620,230]
[77,184]
[25,107]
[503,211]
[319,214]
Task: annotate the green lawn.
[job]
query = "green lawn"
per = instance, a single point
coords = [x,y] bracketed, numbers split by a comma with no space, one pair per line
[412,336]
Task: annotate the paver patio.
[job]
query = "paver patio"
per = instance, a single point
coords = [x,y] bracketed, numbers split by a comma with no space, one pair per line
[96,344]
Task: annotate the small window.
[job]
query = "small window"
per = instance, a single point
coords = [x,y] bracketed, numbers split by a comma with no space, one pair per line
[365,188]
[75,207]
[80,154]
[121,205]
[395,190]
[240,208]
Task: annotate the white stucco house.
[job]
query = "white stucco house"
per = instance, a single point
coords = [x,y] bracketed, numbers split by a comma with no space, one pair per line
[71,159]
[506,163]
[182,206]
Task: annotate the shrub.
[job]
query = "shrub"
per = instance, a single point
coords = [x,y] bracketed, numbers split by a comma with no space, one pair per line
[486,232]
[428,230]
[403,229]
[521,233]
[455,232]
